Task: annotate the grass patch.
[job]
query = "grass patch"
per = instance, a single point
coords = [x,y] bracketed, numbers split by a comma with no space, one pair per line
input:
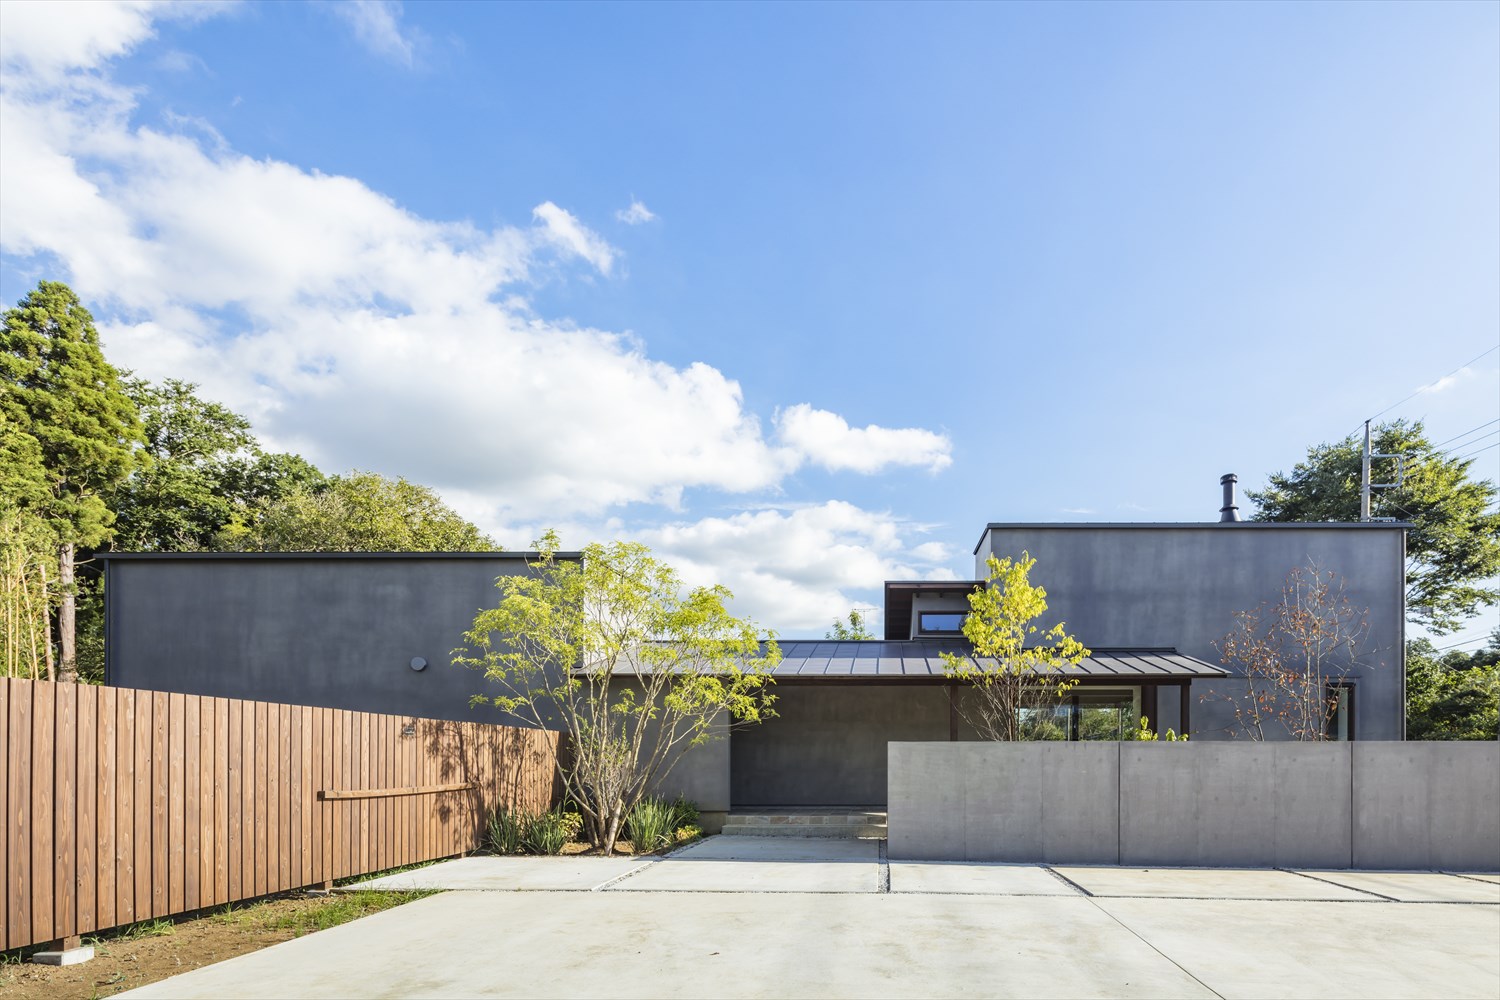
[340,908]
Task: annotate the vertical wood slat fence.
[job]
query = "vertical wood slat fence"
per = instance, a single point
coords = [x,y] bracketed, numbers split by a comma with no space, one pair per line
[124,805]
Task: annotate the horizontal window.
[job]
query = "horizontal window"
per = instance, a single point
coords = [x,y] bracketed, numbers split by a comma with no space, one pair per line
[941,621]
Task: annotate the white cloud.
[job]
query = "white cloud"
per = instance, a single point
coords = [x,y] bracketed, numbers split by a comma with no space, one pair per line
[377,26]
[797,569]
[636,214]
[826,439]
[564,230]
[358,332]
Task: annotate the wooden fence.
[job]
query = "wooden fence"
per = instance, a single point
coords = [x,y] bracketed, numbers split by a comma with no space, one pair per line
[124,805]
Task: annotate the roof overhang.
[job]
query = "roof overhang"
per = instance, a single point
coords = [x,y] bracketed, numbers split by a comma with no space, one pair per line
[921,661]
[898,601]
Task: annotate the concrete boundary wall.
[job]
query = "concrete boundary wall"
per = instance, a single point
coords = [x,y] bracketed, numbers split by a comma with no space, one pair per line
[1316,805]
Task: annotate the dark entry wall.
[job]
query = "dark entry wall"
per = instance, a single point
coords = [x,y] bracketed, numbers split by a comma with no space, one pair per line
[335,630]
[827,745]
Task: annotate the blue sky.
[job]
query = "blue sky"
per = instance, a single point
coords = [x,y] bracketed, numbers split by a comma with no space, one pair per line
[897,271]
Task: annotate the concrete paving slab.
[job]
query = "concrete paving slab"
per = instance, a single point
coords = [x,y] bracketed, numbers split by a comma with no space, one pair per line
[1417,887]
[487,944]
[964,877]
[495,873]
[753,876]
[1206,883]
[780,849]
[1256,948]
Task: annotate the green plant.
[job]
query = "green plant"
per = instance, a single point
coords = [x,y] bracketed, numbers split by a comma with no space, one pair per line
[550,831]
[650,824]
[340,908]
[145,929]
[506,830]
[684,812]
[1146,734]
[690,832]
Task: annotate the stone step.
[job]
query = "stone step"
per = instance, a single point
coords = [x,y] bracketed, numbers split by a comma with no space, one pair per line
[846,824]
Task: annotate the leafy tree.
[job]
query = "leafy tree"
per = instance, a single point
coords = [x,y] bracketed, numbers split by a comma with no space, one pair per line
[634,670]
[176,499]
[1453,548]
[360,512]
[1013,673]
[1455,696]
[852,630]
[1293,653]
[59,389]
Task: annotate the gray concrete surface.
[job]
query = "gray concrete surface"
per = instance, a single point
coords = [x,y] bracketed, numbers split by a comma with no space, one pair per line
[764,864]
[1207,883]
[967,879]
[1417,887]
[1004,942]
[1427,805]
[1415,806]
[1179,585]
[509,874]
[1235,804]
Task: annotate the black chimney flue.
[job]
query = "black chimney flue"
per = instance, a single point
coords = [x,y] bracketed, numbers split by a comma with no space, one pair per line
[1230,511]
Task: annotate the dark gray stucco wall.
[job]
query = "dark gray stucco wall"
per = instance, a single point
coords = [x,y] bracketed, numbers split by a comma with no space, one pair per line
[827,744]
[337,632]
[1180,585]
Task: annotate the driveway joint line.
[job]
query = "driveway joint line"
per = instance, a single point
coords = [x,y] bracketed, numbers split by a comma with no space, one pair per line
[1471,878]
[1329,881]
[883,876]
[1067,881]
[1154,948]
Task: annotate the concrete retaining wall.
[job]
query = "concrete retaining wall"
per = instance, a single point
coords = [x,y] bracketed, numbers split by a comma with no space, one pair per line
[1317,805]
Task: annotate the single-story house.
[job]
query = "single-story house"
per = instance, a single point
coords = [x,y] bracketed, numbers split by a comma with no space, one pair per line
[374,632]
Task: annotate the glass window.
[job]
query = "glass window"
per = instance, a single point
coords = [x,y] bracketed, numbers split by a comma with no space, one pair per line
[1341,712]
[941,621]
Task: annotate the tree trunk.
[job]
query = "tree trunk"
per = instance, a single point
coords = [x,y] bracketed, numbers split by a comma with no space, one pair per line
[45,619]
[66,616]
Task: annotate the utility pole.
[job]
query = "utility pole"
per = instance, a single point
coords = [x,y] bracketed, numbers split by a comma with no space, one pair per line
[1364,478]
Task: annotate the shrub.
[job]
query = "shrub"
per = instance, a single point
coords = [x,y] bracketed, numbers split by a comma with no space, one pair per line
[507,830]
[550,831]
[684,813]
[651,824]
[690,832]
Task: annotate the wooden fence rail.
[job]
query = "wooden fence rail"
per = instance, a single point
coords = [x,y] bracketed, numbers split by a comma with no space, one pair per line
[123,805]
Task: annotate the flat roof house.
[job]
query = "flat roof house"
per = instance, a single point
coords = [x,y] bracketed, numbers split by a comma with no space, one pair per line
[1150,600]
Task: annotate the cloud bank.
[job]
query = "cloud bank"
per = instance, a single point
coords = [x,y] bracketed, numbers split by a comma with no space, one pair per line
[362,334]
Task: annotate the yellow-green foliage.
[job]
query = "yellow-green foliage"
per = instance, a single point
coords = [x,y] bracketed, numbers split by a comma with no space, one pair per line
[634,668]
[1148,735]
[1015,672]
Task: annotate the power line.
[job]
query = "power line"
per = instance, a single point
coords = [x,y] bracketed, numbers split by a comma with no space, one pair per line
[1478,451]
[1466,433]
[1423,388]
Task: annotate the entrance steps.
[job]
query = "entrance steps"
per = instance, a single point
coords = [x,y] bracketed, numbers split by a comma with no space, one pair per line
[844,823]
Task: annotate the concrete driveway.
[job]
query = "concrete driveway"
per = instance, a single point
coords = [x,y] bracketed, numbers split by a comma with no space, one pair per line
[753,917]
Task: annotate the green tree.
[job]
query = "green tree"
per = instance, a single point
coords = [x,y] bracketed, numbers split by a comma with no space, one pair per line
[635,671]
[59,389]
[1013,676]
[1455,695]
[176,499]
[852,630]
[360,512]
[1453,548]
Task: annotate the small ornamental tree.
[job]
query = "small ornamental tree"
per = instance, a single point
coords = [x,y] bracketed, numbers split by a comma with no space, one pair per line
[613,652]
[852,630]
[1014,672]
[1294,653]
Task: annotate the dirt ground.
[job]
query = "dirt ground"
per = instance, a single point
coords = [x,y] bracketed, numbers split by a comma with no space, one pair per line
[156,950]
